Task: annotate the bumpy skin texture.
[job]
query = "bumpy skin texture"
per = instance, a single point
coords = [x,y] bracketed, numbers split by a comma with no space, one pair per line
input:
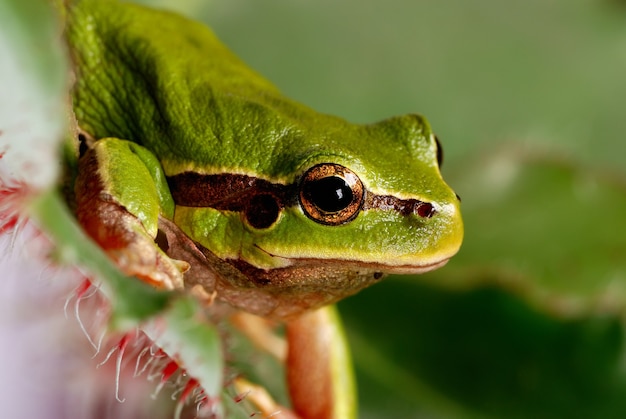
[166,83]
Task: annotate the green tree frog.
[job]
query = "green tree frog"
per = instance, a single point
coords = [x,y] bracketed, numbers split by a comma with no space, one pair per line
[197,173]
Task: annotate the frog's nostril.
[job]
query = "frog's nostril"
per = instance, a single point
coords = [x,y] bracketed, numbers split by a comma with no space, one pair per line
[424,209]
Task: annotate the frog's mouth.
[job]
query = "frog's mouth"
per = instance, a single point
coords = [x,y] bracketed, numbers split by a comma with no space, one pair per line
[357,265]
[379,269]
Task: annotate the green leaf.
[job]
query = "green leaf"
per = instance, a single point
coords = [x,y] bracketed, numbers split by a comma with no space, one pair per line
[183,332]
[546,228]
[484,349]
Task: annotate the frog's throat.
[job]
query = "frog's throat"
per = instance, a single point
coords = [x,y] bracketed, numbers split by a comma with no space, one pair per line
[305,285]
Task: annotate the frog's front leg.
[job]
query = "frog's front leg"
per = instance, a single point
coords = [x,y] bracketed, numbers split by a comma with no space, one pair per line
[120,194]
[319,368]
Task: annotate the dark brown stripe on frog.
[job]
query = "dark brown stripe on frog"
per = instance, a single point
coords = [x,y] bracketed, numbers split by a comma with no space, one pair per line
[226,191]
[232,192]
[403,206]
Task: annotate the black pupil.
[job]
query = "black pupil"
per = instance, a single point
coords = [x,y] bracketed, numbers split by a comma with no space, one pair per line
[330,194]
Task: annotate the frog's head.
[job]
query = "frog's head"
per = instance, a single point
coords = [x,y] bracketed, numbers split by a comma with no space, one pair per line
[357,206]
[298,209]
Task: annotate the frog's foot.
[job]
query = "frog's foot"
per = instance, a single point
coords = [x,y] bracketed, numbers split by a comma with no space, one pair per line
[260,398]
[122,236]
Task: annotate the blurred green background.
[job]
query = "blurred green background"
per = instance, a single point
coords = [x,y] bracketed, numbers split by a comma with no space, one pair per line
[529,101]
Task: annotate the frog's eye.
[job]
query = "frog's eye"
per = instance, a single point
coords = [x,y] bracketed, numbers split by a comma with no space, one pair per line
[439,152]
[331,194]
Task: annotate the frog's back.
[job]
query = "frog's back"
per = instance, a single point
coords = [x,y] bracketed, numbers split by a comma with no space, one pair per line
[166,82]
